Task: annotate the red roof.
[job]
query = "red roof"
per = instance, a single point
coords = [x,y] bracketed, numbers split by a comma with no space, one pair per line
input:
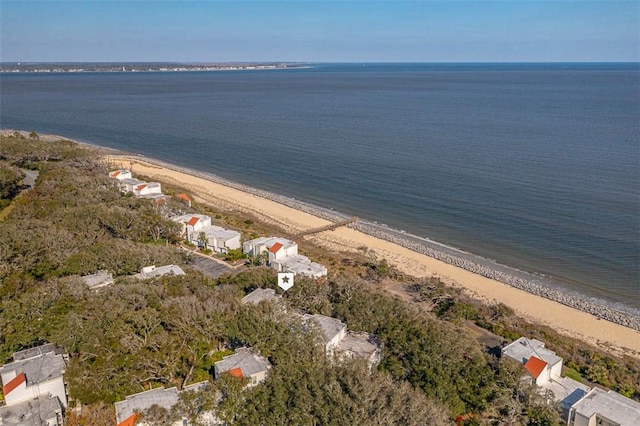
[129,421]
[193,221]
[274,248]
[115,174]
[14,383]
[141,187]
[535,366]
[184,197]
[236,372]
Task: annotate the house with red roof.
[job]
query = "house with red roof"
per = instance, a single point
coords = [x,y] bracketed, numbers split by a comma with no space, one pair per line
[244,363]
[541,363]
[282,255]
[120,174]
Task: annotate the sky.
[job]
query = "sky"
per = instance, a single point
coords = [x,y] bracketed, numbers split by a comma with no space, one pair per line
[320,31]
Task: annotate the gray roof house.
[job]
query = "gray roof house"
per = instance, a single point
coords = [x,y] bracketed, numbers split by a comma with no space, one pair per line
[101,278]
[360,345]
[261,294]
[245,363]
[43,410]
[606,408]
[153,271]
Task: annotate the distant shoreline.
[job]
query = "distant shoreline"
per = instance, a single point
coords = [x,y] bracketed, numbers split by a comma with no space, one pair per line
[121,67]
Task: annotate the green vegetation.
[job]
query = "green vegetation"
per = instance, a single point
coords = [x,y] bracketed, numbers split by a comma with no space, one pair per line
[169,331]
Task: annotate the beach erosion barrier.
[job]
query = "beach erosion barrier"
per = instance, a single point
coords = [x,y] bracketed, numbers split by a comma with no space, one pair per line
[483,267]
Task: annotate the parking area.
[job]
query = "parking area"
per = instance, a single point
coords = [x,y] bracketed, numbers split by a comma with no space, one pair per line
[210,267]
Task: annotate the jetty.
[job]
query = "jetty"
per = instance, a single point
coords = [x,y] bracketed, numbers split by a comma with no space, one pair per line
[329,227]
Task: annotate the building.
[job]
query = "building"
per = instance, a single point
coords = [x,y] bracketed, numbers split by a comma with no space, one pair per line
[128,411]
[43,410]
[260,295]
[360,345]
[101,278]
[34,373]
[130,184]
[282,255]
[192,224]
[332,330]
[120,174]
[153,271]
[150,188]
[604,408]
[184,198]
[541,363]
[219,239]
[245,363]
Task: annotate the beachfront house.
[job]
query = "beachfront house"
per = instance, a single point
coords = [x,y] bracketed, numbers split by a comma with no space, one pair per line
[128,411]
[183,198]
[192,224]
[120,174]
[219,239]
[604,408]
[282,255]
[244,363]
[130,184]
[34,373]
[542,364]
[147,188]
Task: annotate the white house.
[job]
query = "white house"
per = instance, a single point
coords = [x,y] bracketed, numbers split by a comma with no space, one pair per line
[604,408]
[332,330]
[219,239]
[283,256]
[130,184]
[44,410]
[360,345]
[120,174]
[148,188]
[192,224]
[245,363]
[543,364]
[33,373]
[100,279]
[153,271]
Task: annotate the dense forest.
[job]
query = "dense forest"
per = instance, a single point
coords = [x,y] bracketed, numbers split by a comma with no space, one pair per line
[135,335]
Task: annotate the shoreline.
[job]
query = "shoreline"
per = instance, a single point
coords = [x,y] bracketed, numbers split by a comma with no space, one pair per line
[568,314]
[572,315]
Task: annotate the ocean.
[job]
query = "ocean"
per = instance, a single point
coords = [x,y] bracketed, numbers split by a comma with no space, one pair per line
[536,166]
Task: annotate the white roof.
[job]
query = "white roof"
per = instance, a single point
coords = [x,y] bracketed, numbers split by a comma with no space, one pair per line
[610,405]
[270,242]
[330,326]
[187,217]
[139,402]
[34,411]
[359,344]
[153,271]
[219,233]
[246,359]
[99,279]
[522,349]
[300,264]
[260,294]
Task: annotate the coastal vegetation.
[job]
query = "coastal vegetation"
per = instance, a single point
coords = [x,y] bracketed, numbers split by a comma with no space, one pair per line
[135,335]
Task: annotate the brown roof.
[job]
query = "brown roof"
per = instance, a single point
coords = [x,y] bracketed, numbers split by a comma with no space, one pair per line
[115,174]
[183,196]
[14,383]
[193,221]
[236,372]
[535,366]
[129,421]
[274,248]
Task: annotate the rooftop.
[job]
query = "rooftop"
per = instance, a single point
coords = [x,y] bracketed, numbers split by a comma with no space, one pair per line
[153,271]
[300,264]
[330,326]
[99,279]
[260,294]
[37,369]
[219,232]
[566,391]
[610,405]
[523,349]
[360,344]
[248,361]
[33,412]
[139,402]
[37,351]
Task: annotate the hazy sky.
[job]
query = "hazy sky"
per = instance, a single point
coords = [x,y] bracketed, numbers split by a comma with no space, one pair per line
[320,31]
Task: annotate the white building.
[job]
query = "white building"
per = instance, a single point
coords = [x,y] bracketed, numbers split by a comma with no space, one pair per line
[604,408]
[219,239]
[542,363]
[259,295]
[192,224]
[148,188]
[130,184]
[245,363]
[360,345]
[283,256]
[332,330]
[100,279]
[44,410]
[120,174]
[153,271]
[33,373]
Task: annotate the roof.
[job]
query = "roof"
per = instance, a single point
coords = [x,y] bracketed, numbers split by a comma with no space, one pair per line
[37,351]
[141,187]
[610,405]
[115,174]
[236,372]
[34,411]
[13,383]
[299,264]
[523,349]
[152,271]
[99,279]
[259,295]
[274,248]
[330,326]
[245,359]
[183,197]
[359,344]
[139,402]
[566,391]
[220,233]
[38,369]
[535,366]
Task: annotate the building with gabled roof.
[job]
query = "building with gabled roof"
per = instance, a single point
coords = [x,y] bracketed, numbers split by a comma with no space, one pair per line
[183,198]
[120,174]
[192,224]
[604,408]
[332,330]
[541,363]
[153,271]
[33,373]
[260,295]
[282,255]
[43,410]
[219,239]
[148,188]
[360,345]
[244,363]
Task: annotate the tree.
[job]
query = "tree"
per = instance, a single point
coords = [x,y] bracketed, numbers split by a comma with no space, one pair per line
[203,241]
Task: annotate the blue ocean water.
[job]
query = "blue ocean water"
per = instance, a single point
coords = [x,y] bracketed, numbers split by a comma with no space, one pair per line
[534,165]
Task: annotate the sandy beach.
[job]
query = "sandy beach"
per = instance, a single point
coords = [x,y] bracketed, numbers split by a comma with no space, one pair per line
[566,320]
